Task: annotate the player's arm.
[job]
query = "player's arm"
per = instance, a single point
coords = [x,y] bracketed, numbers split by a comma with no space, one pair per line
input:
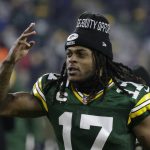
[17,104]
[142,132]
[21,104]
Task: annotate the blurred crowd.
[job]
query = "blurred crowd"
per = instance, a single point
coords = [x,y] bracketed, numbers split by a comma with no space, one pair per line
[130,36]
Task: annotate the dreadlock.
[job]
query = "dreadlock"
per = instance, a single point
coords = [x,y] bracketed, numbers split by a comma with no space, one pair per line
[61,84]
[115,71]
[106,69]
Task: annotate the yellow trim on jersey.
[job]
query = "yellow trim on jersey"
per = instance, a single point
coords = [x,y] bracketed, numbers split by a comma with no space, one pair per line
[140,111]
[145,97]
[80,98]
[141,107]
[110,81]
[40,83]
[129,120]
[80,95]
[38,95]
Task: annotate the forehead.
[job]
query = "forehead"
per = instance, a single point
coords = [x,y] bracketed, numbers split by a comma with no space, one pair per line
[78,48]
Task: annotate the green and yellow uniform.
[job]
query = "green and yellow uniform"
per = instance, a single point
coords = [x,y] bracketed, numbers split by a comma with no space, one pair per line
[105,123]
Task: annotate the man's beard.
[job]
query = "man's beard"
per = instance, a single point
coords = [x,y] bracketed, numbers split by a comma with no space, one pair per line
[87,85]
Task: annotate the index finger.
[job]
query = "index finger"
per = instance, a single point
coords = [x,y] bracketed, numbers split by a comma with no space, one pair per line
[30,28]
[29,31]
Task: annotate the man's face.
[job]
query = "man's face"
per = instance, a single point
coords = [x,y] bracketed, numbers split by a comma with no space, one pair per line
[80,63]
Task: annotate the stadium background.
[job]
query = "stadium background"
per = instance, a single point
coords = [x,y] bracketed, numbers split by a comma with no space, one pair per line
[130,36]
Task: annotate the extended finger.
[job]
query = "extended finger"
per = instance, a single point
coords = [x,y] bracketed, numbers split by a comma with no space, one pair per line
[30,28]
[27,44]
[24,36]
[24,42]
[31,43]
[28,34]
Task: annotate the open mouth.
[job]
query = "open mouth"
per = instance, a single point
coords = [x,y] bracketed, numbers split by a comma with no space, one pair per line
[72,70]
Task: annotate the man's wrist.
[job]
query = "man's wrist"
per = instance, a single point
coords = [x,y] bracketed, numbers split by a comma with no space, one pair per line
[8,62]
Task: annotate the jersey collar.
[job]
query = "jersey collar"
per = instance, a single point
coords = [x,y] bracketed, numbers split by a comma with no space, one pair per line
[82,96]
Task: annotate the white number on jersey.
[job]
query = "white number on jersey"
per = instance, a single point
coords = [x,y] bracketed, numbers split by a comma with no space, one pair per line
[106,124]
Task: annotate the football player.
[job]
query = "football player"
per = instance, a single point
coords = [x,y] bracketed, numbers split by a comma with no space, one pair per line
[93,104]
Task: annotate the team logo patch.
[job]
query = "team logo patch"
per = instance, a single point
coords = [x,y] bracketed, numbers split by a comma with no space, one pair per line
[72,37]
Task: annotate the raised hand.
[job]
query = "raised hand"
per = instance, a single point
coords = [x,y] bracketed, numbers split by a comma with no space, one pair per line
[22,45]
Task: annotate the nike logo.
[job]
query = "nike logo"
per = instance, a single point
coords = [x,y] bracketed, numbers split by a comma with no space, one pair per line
[146,90]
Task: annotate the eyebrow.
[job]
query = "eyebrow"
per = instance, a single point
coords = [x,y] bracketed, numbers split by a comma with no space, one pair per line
[78,49]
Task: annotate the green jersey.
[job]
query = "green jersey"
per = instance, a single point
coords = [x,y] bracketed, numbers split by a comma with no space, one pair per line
[104,123]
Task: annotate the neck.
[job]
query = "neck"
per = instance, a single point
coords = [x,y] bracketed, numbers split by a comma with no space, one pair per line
[88,86]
